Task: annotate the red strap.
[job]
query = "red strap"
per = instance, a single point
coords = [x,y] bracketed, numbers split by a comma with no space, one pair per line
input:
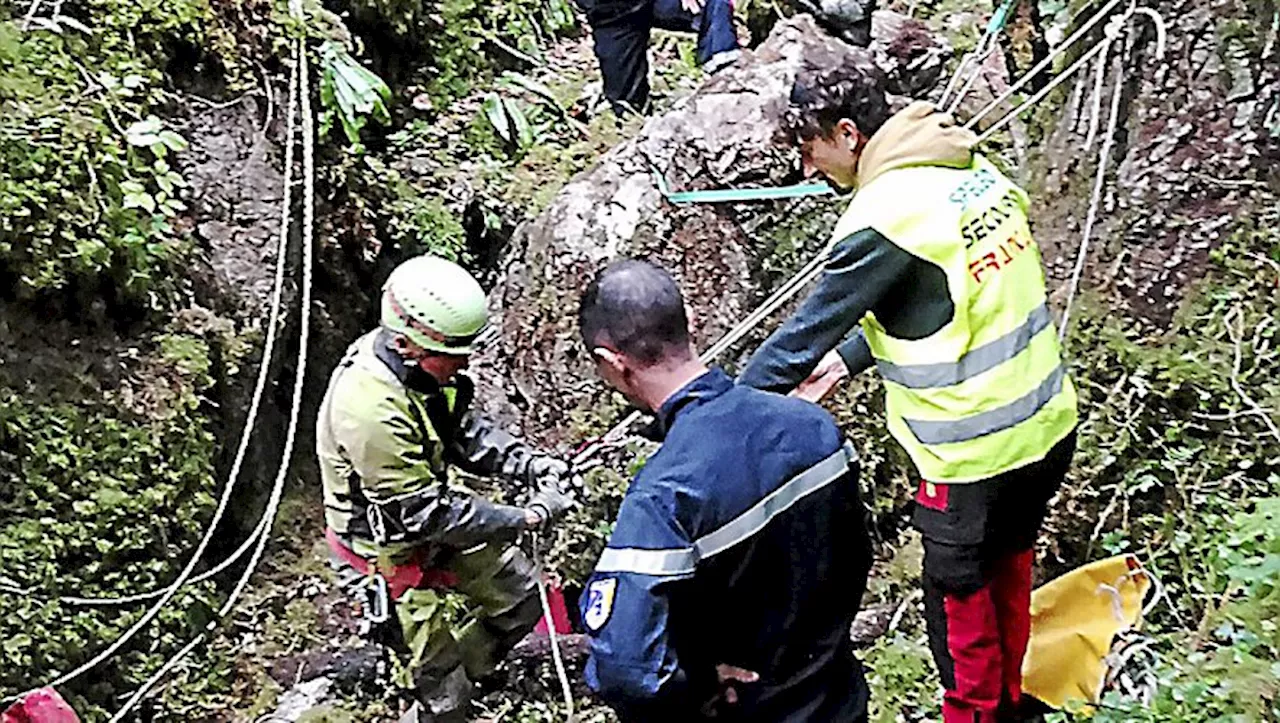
[400,578]
[42,706]
[559,611]
[934,496]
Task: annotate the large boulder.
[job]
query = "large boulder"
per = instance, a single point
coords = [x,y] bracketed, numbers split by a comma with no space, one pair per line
[727,257]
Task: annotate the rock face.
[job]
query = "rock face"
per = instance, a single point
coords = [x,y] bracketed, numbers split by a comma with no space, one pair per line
[237,196]
[1192,154]
[722,136]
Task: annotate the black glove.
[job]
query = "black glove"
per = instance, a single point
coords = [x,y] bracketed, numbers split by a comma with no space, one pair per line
[551,503]
[544,470]
[556,487]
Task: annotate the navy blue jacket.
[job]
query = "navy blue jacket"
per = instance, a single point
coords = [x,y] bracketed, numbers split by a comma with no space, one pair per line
[742,541]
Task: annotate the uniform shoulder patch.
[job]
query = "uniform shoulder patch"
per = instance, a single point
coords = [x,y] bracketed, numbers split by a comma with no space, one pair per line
[599,607]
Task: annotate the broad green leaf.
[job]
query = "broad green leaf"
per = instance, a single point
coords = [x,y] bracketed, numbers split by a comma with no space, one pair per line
[523,131]
[524,82]
[351,92]
[496,112]
[173,141]
[144,132]
[142,200]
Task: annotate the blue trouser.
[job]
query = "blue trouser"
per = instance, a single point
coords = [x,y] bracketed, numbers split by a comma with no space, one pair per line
[621,31]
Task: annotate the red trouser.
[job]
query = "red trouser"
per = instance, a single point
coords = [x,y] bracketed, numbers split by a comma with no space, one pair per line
[978,552]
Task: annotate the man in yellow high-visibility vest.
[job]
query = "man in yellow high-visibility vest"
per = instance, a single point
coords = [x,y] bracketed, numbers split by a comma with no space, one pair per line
[934,278]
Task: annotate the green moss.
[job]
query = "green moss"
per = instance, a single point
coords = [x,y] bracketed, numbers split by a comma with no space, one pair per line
[531,183]
[327,714]
[98,501]
[189,355]
[88,198]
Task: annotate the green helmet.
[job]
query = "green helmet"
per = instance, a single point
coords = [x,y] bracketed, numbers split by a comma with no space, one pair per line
[436,303]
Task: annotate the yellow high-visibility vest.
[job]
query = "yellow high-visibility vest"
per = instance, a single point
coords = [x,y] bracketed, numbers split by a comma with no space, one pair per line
[988,392]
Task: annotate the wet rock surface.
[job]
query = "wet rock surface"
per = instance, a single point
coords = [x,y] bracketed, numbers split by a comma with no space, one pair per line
[1190,157]
[237,183]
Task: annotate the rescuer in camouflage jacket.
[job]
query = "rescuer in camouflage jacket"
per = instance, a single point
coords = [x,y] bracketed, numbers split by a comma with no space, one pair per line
[395,417]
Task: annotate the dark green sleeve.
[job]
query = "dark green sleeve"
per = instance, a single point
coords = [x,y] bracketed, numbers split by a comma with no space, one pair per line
[856,352]
[862,268]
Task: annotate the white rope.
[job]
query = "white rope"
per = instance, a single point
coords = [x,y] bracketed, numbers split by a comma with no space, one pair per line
[255,403]
[273,324]
[565,688]
[977,58]
[31,14]
[1095,102]
[299,89]
[1095,199]
[1039,67]
[974,73]
[809,272]
[813,269]
[145,596]
[1033,100]
[1104,156]
[780,297]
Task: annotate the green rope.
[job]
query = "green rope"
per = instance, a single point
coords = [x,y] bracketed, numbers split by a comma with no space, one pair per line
[1001,17]
[731,195]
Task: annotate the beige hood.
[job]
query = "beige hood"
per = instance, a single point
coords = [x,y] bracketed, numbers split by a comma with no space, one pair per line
[919,135]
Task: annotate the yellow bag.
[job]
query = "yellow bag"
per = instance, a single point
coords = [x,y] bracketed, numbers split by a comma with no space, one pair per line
[1075,621]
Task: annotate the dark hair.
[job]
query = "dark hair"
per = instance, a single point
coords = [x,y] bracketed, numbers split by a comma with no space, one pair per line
[636,308]
[823,94]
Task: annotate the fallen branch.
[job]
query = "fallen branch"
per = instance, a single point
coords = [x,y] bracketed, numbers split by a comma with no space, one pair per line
[902,609]
[1232,182]
[218,105]
[1231,415]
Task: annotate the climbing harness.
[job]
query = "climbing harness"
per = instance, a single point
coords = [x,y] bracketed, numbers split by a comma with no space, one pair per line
[299,91]
[299,87]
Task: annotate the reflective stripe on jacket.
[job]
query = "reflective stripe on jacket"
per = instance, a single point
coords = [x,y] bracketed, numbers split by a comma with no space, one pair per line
[742,542]
[935,261]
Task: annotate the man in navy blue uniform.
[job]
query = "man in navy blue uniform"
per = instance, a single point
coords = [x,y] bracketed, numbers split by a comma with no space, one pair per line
[740,553]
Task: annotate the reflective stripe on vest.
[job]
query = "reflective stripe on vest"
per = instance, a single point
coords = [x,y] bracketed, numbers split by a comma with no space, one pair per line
[984,358]
[980,425]
[987,392]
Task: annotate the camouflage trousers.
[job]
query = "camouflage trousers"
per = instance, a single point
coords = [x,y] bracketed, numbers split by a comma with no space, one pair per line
[435,660]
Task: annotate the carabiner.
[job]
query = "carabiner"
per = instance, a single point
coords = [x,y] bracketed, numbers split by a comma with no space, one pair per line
[377,609]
